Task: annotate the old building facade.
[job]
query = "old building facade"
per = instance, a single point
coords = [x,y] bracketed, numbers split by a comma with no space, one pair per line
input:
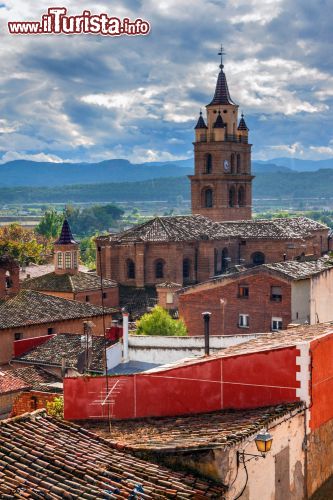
[220,232]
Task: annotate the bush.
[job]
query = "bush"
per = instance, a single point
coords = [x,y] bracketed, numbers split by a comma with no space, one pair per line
[159,322]
[55,408]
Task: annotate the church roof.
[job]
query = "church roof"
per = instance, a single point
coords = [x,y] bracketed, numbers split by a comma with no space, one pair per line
[219,121]
[79,282]
[242,125]
[66,237]
[221,95]
[200,123]
[198,227]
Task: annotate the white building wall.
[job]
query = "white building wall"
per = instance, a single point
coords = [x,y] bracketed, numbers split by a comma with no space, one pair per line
[321,303]
[263,481]
[161,349]
[114,355]
[300,301]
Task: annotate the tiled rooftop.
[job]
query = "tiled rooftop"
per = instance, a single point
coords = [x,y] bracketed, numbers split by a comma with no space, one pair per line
[41,457]
[9,382]
[37,378]
[221,429]
[31,308]
[67,283]
[35,270]
[51,352]
[301,270]
[196,227]
[290,269]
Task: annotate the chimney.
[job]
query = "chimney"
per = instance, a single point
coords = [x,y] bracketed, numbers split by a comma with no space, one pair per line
[125,337]
[206,316]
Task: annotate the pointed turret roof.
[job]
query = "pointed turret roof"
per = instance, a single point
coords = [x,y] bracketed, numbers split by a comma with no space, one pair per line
[242,125]
[66,237]
[221,95]
[201,122]
[219,123]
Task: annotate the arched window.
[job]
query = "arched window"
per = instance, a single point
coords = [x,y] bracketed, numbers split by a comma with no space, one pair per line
[8,282]
[232,163]
[238,164]
[130,269]
[208,163]
[159,269]
[232,194]
[186,269]
[241,197]
[258,258]
[225,259]
[208,198]
[59,260]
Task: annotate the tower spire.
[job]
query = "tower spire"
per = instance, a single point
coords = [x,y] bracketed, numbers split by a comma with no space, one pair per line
[221,53]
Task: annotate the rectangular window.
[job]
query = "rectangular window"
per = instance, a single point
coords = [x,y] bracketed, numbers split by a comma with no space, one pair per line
[59,260]
[169,298]
[243,321]
[276,293]
[75,260]
[18,336]
[68,260]
[243,292]
[105,295]
[50,331]
[276,324]
[87,298]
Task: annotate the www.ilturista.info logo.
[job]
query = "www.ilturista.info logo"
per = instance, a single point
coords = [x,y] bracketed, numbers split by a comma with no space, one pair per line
[57,22]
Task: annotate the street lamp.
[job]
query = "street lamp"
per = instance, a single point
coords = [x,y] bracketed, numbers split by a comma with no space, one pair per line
[263,442]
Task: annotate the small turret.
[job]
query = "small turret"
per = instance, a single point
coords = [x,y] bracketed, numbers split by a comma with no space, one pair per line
[242,129]
[219,128]
[66,252]
[200,130]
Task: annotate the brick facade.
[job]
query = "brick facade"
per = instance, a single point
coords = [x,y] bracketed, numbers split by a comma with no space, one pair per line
[32,400]
[224,319]
[9,276]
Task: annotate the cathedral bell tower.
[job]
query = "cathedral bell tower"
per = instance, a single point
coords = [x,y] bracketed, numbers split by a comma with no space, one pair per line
[221,187]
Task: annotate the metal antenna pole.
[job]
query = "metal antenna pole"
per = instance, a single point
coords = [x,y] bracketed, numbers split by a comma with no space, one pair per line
[99,250]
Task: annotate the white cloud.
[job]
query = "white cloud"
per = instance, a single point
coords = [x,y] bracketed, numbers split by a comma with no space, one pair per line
[15,155]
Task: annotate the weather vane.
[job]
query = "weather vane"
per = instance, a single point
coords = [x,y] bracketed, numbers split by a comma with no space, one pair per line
[222,53]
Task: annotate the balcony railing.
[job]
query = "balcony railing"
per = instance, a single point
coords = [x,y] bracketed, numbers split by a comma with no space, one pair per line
[228,138]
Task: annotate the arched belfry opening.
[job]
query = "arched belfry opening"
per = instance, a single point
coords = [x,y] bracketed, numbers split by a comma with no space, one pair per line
[9,276]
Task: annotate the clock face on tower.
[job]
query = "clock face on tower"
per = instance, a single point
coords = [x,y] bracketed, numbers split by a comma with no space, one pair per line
[226,165]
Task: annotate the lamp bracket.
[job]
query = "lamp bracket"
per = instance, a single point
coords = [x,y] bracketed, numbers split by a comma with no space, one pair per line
[241,457]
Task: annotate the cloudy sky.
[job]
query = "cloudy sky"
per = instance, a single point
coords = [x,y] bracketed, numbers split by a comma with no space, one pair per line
[90,98]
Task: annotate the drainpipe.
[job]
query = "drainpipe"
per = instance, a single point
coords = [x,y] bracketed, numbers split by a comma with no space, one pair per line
[125,337]
[206,317]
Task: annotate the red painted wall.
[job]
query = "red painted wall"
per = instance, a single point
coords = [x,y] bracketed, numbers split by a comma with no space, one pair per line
[24,345]
[321,351]
[244,381]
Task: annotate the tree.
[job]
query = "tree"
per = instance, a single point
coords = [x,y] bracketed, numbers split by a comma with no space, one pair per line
[159,322]
[22,244]
[50,224]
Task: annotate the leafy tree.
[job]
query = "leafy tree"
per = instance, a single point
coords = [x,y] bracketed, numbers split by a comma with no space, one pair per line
[22,244]
[88,251]
[50,224]
[159,322]
[55,408]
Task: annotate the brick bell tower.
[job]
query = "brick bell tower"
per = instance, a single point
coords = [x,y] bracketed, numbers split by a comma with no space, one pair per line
[221,187]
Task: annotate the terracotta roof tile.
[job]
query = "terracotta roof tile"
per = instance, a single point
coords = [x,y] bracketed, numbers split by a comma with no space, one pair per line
[220,429]
[196,227]
[10,382]
[31,308]
[37,378]
[69,345]
[41,457]
[67,283]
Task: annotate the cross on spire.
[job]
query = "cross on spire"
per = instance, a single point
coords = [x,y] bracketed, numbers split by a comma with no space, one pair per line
[221,53]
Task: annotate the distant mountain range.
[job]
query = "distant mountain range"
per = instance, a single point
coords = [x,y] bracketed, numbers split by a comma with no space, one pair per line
[38,174]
